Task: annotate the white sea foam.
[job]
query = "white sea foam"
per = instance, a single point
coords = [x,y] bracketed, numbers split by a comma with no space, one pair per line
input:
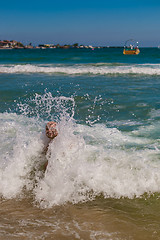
[19,148]
[83,161]
[148,69]
[81,169]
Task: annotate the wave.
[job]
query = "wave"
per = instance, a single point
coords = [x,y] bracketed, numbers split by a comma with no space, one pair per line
[84,161]
[80,69]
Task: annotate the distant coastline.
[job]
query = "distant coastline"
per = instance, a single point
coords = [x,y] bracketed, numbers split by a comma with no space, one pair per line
[12,44]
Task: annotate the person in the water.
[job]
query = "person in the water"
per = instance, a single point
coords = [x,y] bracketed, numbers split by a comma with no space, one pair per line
[51,133]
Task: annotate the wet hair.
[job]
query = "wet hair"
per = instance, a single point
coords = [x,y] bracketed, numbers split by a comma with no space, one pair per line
[51,131]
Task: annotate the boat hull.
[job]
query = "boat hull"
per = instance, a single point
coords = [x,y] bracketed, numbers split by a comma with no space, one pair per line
[131,52]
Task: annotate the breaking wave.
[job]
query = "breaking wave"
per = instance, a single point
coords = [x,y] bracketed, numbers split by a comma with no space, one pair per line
[83,161]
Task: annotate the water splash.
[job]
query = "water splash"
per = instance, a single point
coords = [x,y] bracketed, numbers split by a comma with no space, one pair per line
[48,107]
[83,161]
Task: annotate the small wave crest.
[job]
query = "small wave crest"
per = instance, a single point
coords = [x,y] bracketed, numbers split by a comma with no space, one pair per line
[95,69]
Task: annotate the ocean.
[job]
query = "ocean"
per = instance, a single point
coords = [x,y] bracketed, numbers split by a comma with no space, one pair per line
[103,175]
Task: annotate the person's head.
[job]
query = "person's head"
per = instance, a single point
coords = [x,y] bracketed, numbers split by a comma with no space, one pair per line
[51,131]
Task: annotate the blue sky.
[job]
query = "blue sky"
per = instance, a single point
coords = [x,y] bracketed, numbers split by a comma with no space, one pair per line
[93,22]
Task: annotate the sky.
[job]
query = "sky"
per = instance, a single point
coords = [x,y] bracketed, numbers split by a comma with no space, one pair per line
[97,23]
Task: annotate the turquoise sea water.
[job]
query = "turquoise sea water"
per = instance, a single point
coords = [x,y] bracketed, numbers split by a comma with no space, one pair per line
[103,176]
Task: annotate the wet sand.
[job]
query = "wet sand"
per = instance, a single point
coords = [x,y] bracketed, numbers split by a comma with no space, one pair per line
[100,219]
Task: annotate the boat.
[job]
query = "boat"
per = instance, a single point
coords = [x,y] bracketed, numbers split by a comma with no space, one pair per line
[130,49]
